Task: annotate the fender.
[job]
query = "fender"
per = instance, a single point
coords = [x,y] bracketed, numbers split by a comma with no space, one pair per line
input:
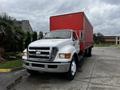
[66,49]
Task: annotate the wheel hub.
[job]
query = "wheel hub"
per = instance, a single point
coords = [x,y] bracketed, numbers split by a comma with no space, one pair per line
[73,68]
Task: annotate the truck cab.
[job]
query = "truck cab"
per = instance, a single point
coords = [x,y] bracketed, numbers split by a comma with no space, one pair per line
[56,52]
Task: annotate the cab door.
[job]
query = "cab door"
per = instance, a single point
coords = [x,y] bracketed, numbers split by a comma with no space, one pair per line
[76,41]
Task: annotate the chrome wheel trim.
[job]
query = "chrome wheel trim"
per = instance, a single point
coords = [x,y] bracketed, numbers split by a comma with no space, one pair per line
[73,68]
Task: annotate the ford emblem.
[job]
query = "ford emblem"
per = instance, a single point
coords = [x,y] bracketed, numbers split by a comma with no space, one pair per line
[38,53]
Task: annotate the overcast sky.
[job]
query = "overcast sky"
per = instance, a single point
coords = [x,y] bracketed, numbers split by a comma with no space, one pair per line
[103,14]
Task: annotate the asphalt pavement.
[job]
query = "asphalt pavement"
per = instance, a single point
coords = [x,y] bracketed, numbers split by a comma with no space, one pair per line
[99,72]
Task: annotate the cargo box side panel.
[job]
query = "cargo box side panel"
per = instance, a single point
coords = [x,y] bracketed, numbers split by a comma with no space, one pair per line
[88,33]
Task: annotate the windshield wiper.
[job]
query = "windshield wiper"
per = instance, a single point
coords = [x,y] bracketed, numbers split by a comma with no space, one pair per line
[57,37]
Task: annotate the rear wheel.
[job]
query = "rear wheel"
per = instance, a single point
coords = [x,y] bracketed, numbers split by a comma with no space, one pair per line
[72,70]
[88,52]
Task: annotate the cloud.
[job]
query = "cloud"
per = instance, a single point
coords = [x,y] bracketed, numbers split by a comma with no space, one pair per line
[103,14]
[105,17]
[115,2]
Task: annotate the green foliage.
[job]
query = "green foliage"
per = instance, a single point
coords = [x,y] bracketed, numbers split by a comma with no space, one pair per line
[98,38]
[11,64]
[28,39]
[34,36]
[12,35]
[13,55]
[20,36]
[13,38]
[102,45]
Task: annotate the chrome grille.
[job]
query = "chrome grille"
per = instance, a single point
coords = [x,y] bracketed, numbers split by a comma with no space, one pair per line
[39,53]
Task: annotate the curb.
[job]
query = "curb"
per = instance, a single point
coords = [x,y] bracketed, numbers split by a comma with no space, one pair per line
[8,81]
[3,70]
[17,80]
[14,83]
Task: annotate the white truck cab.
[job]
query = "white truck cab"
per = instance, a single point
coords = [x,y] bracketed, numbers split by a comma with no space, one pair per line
[56,52]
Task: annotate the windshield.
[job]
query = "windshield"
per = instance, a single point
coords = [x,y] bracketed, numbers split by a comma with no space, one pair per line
[58,34]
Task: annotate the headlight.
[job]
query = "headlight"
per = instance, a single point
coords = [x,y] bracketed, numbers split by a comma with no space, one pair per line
[65,55]
[25,52]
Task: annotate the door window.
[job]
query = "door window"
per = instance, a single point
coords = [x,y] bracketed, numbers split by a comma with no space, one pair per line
[74,36]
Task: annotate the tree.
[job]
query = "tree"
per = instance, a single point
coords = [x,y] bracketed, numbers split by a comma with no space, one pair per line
[20,36]
[2,35]
[40,35]
[28,39]
[34,36]
[9,35]
[98,38]
[13,35]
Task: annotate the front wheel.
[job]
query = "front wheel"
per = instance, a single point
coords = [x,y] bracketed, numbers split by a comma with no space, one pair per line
[72,70]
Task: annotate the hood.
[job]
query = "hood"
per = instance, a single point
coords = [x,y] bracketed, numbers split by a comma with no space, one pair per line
[49,42]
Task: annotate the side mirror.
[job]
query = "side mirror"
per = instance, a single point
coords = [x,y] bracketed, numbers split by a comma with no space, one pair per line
[73,39]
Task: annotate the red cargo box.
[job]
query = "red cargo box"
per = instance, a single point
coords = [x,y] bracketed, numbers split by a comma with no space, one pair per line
[77,22]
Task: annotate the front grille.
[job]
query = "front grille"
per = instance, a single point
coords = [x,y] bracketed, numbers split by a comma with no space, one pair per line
[42,53]
[39,53]
[45,53]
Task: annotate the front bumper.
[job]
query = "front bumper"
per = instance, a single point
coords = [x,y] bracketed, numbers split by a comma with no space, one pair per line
[57,67]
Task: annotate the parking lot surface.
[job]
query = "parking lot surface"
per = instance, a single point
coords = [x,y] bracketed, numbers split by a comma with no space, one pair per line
[99,72]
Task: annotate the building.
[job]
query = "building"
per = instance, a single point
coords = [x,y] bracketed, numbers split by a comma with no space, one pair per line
[25,25]
[112,39]
[117,40]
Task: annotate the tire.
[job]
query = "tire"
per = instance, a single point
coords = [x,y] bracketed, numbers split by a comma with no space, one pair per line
[89,52]
[86,52]
[31,72]
[72,70]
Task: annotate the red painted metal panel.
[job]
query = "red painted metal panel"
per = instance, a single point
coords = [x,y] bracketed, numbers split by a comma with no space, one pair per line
[67,21]
[88,33]
[75,21]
